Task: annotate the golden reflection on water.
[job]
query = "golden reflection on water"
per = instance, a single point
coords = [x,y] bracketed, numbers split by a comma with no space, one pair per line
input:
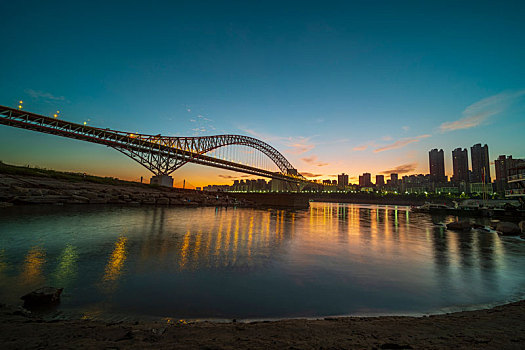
[34,262]
[231,240]
[3,262]
[184,250]
[342,237]
[116,261]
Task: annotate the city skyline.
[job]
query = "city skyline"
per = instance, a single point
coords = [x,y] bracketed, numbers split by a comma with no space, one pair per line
[349,88]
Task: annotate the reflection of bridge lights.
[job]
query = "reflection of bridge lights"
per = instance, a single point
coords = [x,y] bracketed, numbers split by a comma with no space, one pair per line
[116,262]
[66,269]
[34,262]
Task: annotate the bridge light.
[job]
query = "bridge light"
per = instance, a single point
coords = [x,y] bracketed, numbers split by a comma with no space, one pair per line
[20,104]
[85,123]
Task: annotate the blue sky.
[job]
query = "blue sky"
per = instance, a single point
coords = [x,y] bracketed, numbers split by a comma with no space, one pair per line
[352,86]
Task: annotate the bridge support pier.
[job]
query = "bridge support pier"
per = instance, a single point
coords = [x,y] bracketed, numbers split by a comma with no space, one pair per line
[162,180]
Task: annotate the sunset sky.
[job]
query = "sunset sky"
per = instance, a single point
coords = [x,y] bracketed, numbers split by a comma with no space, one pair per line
[349,86]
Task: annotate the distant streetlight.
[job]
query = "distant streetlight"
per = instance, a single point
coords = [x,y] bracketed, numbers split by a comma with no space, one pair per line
[85,123]
[56,114]
[20,104]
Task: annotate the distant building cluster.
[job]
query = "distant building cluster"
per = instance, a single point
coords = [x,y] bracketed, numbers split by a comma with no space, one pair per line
[257,185]
[476,179]
[469,180]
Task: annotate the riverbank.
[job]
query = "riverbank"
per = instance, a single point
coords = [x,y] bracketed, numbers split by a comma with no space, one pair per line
[500,327]
[26,186]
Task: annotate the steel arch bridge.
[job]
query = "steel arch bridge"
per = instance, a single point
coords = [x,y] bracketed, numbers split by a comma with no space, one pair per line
[160,154]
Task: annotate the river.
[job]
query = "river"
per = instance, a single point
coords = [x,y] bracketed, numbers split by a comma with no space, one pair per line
[218,263]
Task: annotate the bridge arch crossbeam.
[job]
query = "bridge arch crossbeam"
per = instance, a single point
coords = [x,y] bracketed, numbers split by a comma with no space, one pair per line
[206,144]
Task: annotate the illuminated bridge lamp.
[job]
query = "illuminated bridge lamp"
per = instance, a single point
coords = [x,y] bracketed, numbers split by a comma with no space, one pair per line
[56,114]
[20,104]
[85,123]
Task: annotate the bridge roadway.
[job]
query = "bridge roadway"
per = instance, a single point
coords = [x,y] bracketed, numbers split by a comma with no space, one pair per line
[159,154]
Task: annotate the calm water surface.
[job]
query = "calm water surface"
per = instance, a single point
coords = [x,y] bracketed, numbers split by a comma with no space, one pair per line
[332,259]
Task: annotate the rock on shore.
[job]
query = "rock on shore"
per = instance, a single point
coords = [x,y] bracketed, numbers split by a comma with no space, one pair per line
[23,190]
[459,225]
[508,228]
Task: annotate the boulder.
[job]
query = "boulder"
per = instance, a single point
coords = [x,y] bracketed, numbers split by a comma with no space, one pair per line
[522,226]
[459,226]
[80,198]
[163,201]
[148,201]
[44,296]
[98,201]
[508,228]
[176,201]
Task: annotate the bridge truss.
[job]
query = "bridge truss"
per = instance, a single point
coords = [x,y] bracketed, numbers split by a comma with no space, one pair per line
[160,154]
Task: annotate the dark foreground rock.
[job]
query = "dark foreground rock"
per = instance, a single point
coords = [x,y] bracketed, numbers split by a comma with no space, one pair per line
[459,226]
[501,327]
[42,297]
[508,228]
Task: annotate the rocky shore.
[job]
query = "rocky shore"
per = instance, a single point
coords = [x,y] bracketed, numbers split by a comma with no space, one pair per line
[27,189]
[501,327]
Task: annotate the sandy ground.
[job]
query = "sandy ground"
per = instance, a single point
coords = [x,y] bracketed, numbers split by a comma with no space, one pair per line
[502,327]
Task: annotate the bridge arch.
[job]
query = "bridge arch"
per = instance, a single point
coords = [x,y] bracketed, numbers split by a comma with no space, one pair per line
[206,144]
[159,154]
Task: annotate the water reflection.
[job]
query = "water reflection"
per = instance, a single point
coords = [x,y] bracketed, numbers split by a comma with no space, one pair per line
[329,259]
[114,267]
[33,265]
[66,269]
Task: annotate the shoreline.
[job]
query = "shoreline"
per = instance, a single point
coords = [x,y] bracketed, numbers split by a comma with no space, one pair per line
[496,327]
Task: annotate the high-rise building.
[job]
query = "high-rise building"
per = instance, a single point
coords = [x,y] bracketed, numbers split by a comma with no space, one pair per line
[500,165]
[437,165]
[380,181]
[394,178]
[504,166]
[480,163]
[460,165]
[342,180]
[365,180]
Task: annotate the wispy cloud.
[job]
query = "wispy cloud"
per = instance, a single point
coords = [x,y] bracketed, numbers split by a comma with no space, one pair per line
[300,145]
[313,161]
[307,174]
[295,145]
[202,125]
[360,148]
[233,176]
[364,146]
[401,143]
[46,96]
[405,128]
[479,112]
[401,169]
